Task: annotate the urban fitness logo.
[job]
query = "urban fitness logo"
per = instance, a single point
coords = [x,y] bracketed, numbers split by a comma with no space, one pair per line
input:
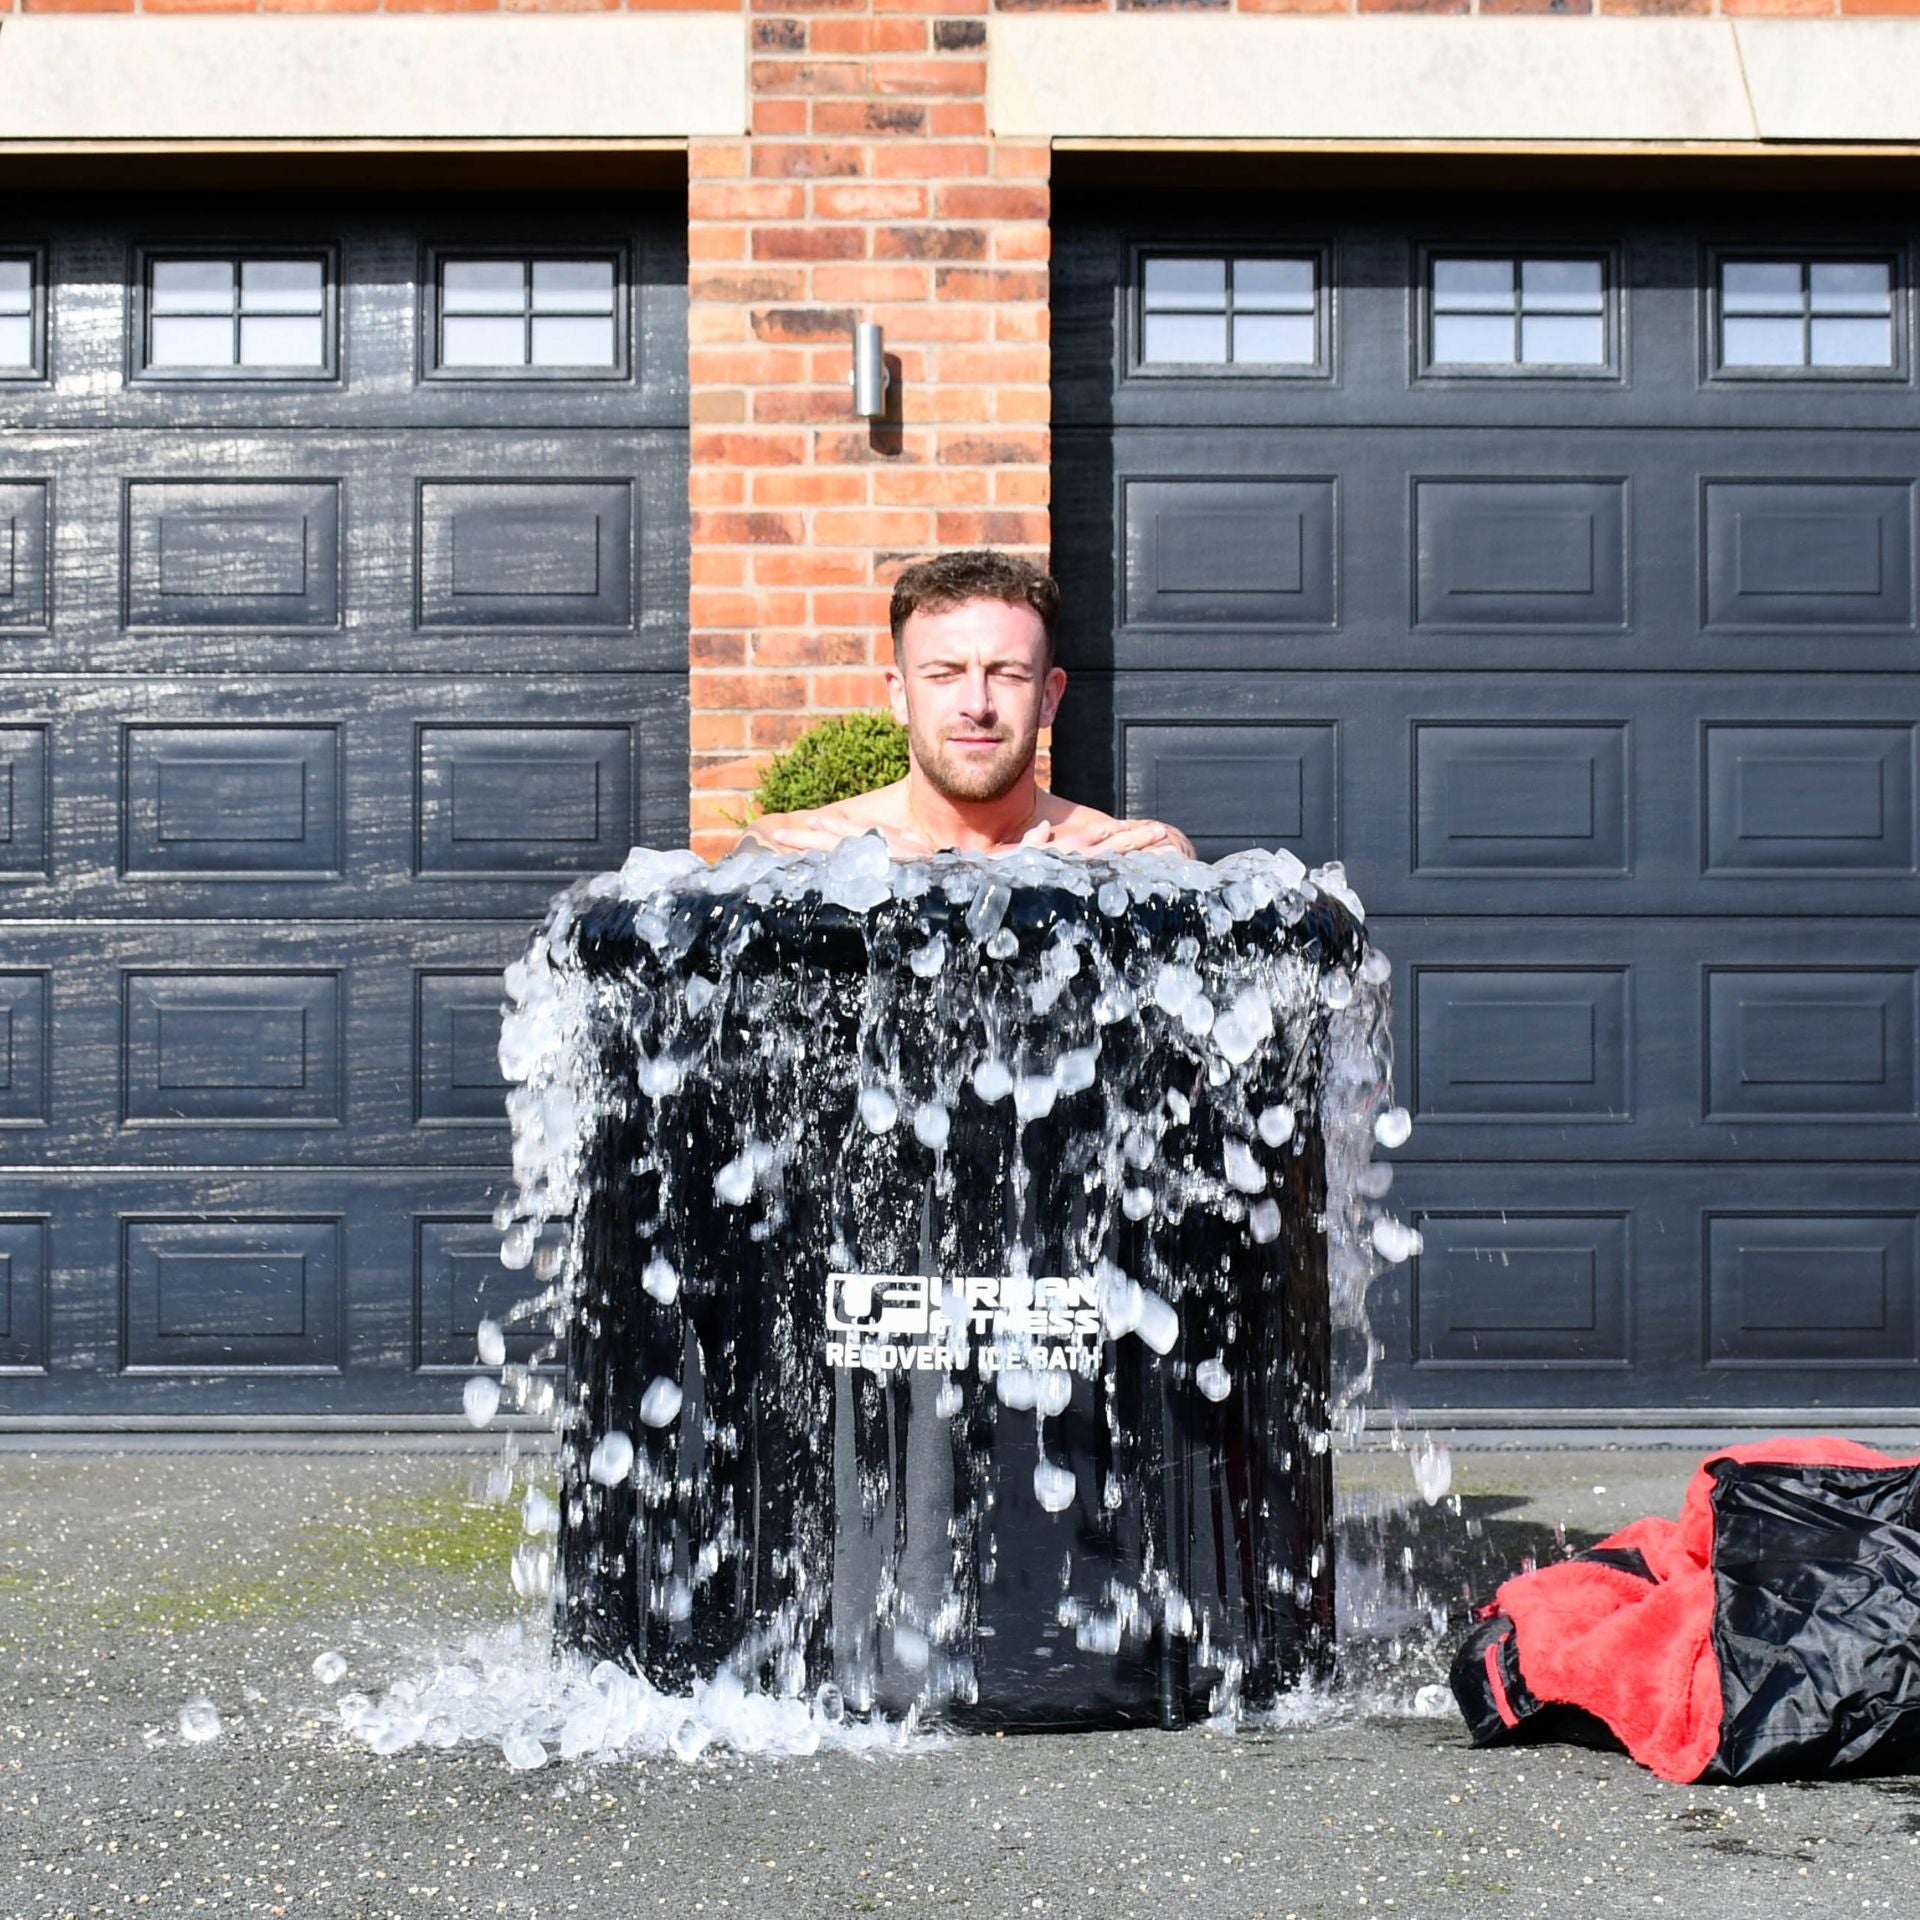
[929,1322]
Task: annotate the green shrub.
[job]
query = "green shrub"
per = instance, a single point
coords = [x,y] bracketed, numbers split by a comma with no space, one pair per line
[834,760]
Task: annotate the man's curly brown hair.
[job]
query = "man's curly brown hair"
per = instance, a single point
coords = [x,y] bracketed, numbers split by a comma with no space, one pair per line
[952,580]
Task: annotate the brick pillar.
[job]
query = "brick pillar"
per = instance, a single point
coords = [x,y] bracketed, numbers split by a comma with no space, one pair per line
[868,189]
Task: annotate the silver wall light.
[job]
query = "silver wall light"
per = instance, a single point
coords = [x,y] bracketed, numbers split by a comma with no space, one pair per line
[869,378]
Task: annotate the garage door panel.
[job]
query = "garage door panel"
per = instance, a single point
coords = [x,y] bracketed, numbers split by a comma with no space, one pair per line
[1575,1287]
[324,553]
[349,1043]
[1725,1040]
[1512,794]
[340,796]
[263,1293]
[1469,552]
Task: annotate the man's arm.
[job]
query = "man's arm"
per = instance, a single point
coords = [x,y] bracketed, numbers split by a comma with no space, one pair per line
[812,829]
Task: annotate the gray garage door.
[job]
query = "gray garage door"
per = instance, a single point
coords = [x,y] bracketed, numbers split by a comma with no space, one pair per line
[1552,563]
[342,618]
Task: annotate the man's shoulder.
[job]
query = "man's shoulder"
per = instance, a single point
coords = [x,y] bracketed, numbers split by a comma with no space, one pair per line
[842,818]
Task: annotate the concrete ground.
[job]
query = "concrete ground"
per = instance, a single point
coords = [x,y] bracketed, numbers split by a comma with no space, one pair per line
[133,1578]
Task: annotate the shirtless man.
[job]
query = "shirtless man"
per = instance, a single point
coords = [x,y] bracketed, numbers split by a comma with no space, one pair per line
[973,681]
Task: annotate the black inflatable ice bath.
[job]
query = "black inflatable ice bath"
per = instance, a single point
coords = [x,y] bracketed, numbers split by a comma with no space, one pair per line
[955,1265]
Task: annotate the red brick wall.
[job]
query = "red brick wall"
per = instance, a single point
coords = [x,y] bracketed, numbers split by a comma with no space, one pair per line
[868,190]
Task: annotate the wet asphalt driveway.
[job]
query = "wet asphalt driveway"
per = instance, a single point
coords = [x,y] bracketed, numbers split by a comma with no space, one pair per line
[134,1581]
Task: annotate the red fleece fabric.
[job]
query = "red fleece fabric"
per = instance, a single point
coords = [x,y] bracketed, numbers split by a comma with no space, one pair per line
[1639,1653]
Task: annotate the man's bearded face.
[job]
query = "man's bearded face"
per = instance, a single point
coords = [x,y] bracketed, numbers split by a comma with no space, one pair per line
[973,689]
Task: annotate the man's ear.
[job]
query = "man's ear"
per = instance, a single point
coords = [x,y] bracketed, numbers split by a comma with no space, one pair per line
[1053,687]
[897,691]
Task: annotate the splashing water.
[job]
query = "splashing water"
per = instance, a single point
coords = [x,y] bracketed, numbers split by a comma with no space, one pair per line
[1199,1069]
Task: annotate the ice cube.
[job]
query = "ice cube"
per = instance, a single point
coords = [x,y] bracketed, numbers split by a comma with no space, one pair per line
[1376,967]
[1121,1301]
[910,1647]
[660,1404]
[1033,1095]
[992,1081]
[1052,1391]
[1112,899]
[1136,1202]
[538,1514]
[1003,944]
[931,1125]
[1017,1388]
[1244,1173]
[1112,1004]
[1433,1702]
[516,1247]
[661,1279]
[199,1721]
[1197,1016]
[1394,1127]
[949,1399]
[330,1668]
[988,909]
[1336,989]
[878,1109]
[1053,1486]
[855,874]
[481,1399]
[1075,1070]
[1159,1324]
[1175,988]
[523,1752]
[1263,1220]
[492,1344]
[698,993]
[612,1458]
[1248,1022]
[928,960]
[1213,1379]
[734,1183]
[1393,1240]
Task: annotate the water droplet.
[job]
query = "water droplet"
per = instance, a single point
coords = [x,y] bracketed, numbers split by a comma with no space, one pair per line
[1394,1127]
[1432,1471]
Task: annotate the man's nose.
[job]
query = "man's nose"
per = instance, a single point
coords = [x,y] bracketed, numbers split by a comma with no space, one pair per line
[979,695]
